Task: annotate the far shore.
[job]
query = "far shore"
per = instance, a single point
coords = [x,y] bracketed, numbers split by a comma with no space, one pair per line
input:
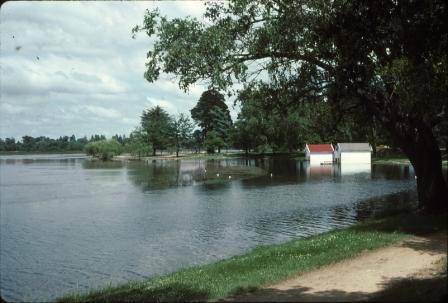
[396,160]
[19,153]
[205,156]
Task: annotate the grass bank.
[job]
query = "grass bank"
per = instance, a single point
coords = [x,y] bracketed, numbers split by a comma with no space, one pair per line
[266,264]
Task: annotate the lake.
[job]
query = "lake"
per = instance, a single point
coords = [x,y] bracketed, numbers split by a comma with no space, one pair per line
[69,224]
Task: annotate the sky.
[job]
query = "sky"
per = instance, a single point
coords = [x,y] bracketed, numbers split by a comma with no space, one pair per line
[73,68]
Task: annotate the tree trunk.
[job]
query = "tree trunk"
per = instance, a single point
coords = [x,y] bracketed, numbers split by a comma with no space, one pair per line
[373,143]
[153,151]
[374,136]
[247,152]
[177,152]
[424,154]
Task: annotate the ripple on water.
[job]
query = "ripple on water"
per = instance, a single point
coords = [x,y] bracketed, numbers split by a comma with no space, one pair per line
[74,225]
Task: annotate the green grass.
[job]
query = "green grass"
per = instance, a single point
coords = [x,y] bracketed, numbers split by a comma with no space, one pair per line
[293,155]
[404,161]
[399,161]
[266,264]
[222,156]
[216,156]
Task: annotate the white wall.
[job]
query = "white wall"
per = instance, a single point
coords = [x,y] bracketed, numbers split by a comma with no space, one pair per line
[355,157]
[319,158]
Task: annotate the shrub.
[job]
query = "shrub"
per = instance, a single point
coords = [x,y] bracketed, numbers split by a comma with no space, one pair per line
[104,149]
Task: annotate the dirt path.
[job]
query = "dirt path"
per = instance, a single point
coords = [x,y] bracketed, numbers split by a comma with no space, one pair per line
[406,270]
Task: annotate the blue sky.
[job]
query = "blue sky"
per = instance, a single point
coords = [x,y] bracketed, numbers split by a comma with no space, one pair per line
[73,68]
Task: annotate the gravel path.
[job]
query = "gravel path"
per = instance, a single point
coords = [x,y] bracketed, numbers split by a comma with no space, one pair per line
[413,265]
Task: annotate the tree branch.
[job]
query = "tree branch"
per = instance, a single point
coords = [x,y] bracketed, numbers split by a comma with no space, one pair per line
[293,56]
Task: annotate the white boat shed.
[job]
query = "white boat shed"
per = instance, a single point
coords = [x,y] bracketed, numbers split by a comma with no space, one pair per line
[319,154]
[353,153]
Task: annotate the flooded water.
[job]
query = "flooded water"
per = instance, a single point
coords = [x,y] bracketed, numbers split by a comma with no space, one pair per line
[69,224]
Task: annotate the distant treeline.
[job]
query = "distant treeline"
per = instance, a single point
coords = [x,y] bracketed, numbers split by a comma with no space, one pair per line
[266,123]
[46,144]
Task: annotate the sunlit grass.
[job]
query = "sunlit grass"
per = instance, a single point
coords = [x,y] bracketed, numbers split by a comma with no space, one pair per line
[392,161]
[400,161]
[266,264]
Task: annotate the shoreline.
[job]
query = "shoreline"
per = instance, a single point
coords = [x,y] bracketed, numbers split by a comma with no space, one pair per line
[399,161]
[205,156]
[267,265]
[413,269]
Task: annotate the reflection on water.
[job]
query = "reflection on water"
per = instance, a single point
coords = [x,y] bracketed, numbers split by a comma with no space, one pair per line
[70,224]
[319,171]
[161,174]
[394,171]
[97,164]
[354,168]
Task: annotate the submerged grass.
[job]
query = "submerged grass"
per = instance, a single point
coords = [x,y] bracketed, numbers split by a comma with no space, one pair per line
[266,264]
[220,156]
[216,156]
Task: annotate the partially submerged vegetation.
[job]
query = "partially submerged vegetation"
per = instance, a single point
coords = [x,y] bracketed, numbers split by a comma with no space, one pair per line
[103,149]
[267,264]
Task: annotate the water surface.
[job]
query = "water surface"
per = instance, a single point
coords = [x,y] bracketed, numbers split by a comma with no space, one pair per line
[69,224]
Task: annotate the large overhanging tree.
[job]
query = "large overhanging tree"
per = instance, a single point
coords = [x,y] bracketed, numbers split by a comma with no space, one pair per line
[381,59]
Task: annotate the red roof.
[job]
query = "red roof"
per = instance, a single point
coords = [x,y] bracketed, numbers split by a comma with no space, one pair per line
[320,148]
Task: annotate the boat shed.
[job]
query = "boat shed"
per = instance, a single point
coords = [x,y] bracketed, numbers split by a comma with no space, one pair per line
[319,153]
[353,153]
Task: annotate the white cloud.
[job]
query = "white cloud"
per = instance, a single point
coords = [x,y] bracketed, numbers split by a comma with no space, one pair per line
[72,67]
[103,112]
[133,122]
[166,105]
[12,109]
